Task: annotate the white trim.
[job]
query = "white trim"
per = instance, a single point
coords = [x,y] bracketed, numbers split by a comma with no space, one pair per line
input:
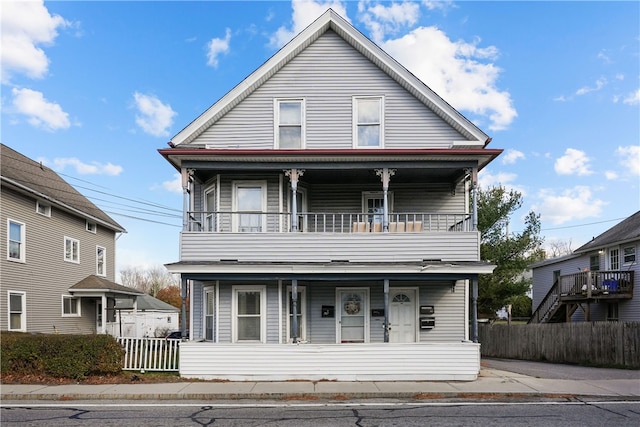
[249,183]
[23,241]
[302,311]
[46,209]
[355,123]
[280,312]
[23,313]
[276,122]
[235,289]
[207,289]
[217,319]
[623,261]
[466,310]
[365,309]
[104,261]
[71,259]
[78,312]
[416,307]
[210,220]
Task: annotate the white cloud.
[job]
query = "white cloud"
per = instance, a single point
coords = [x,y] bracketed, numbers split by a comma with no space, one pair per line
[460,72]
[501,179]
[511,156]
[600,83]
[574,162]
[633,98]
[94,168]
[175,185]
[40,112]
[438,4]
[611,175]
[217,47]
[630,158]
[383,20]
[304,13]
[571,204]
[155,118]
[25,25]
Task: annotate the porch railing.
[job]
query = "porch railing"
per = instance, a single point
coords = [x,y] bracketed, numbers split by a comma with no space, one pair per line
[596,283]
[150,354]
[326,222]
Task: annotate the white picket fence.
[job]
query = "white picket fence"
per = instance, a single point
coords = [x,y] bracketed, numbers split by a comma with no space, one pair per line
[150,354]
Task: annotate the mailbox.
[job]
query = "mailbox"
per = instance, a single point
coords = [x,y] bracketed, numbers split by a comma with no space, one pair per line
[427,322]
[426,310]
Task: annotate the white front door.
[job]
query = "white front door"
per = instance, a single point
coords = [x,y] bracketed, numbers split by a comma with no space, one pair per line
[402,315]
[352,315]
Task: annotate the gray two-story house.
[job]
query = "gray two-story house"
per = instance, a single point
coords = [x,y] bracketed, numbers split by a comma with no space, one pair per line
[594,283]
[57,257]
[329,221]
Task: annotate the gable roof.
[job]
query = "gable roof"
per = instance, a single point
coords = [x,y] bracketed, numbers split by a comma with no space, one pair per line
[626,231]
[33,178]
[330,20]
[146,302]
[94,283]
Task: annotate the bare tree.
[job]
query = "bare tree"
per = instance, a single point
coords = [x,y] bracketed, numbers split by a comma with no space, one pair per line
[558,248]
[149,281]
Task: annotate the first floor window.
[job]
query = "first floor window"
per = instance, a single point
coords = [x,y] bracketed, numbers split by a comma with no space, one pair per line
[209,310]
[17,311]
[301,304]
[101,258]
[629,254]
[612,311]
[71,250]
[249,314]
[70,306]
[15,240]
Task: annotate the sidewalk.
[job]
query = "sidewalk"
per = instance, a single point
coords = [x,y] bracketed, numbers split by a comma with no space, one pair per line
[491,383]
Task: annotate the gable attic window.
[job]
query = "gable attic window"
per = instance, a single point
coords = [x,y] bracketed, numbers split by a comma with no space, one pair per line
[43,209]
[368,126]
[289,120]
[91,227]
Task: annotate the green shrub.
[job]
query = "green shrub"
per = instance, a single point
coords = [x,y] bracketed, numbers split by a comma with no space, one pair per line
[67,356]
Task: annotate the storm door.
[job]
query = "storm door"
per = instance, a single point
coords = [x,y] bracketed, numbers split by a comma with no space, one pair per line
[352,315]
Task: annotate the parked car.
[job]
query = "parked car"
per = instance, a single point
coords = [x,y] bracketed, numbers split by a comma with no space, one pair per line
[176,335]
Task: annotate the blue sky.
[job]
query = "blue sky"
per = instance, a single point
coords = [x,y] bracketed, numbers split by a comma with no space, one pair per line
[93,89]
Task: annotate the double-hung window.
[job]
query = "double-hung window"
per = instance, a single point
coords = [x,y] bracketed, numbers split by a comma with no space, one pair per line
[249,312]
[70,306]
[71,250]
[629,255]
[250,203]
[17,311]
[289,120]
[16,241]
[368,124]
[101,261]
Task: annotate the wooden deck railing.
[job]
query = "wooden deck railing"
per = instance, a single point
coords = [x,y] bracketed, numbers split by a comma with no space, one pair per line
[592,284]
[150,354]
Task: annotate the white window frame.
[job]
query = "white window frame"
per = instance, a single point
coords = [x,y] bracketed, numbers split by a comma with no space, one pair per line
[102,273]
[71,240]
[632,253]
[23,311]
[356,124]
[75,301]
[263,311]
[302,312]
[22,242]
[91,227]
[236,218]
[614,259]
[277,125]
[209,292]
[43,209]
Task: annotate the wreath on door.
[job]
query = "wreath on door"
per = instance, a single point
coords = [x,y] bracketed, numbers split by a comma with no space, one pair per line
[352,304]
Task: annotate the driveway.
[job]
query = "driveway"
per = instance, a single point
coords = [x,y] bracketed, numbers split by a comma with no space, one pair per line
[559,371]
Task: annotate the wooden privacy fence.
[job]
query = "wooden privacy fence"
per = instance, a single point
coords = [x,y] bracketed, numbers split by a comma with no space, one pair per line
[150,354]
[611,344]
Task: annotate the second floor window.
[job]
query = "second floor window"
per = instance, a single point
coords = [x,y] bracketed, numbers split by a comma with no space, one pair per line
[101,261]
[629,254]
[71,250]
[289,123]
[15,241]
[367,122]
[614,259]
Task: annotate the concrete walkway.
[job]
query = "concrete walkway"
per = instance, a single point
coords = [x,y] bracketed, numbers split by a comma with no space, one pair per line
[492,383]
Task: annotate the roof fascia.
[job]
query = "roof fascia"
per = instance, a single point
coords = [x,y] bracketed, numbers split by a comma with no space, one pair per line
[331,20]
[24,189]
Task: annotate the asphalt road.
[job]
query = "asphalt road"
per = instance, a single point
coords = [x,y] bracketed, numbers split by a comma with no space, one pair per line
[559,371]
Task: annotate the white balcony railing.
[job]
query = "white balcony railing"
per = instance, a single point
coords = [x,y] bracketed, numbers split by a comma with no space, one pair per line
[326,222]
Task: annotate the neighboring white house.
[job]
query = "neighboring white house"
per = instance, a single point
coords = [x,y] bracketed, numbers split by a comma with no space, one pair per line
[329,224]
[149,317]
[594,283]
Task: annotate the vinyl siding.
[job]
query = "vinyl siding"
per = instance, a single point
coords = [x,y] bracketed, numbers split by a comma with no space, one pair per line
[45,276]
[327,74]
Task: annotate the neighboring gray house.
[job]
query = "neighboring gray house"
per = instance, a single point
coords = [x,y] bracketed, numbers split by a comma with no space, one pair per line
[57,257]
[148,317]
[595,282]
[329,225]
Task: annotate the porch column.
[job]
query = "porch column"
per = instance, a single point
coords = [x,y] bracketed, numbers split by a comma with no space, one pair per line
[294,175]
[386,310]
[474,198]
[385,175]
[183,296]
[474,309]
[186,179]
[294,310]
